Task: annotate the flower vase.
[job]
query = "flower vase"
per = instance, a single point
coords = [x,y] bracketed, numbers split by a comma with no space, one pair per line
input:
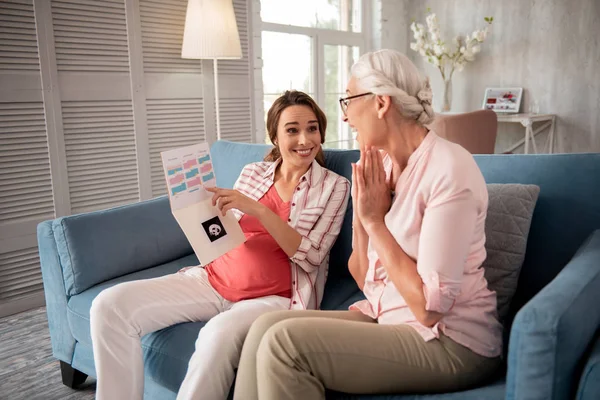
[447,96]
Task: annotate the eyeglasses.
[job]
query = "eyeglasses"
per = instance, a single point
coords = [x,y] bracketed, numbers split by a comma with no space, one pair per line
[345,101]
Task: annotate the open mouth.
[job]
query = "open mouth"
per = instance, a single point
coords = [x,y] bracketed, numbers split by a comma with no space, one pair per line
[304,152]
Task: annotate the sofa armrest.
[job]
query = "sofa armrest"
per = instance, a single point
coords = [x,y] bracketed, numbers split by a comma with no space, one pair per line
[63,342]
[553,330]
[589,385]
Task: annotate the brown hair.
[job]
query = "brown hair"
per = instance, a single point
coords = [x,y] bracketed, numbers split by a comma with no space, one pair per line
[293,98]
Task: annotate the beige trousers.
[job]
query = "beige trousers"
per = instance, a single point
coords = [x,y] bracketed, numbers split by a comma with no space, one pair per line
[298,354]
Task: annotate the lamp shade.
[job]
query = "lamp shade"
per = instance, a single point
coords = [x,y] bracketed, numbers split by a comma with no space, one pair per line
[211,30]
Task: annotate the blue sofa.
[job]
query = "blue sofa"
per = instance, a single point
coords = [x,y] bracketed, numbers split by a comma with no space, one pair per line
[553,350]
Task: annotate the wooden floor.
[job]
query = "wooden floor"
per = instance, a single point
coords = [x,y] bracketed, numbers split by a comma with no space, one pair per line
[27,368]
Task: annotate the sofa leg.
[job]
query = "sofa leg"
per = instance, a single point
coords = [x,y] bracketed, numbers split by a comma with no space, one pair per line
[70,376]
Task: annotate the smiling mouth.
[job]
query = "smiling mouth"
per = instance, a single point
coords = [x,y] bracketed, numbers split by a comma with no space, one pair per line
[304,152]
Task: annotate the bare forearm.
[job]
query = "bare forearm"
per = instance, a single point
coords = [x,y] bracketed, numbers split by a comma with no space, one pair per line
[402,271]
[358,264]
[286,237]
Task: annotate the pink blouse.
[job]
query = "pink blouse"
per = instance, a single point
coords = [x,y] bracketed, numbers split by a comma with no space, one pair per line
[438,218]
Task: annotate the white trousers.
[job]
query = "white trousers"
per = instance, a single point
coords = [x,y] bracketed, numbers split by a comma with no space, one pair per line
[124,313]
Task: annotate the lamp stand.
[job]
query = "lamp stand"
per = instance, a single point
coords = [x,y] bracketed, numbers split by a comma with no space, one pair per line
[216,74]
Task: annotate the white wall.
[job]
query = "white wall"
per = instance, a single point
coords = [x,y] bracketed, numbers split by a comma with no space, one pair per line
[551,48]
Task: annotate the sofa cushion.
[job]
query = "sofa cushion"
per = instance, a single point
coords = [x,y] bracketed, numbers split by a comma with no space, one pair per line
[506,228]
[102,245]
[78,307]
[492,391]
[566,212]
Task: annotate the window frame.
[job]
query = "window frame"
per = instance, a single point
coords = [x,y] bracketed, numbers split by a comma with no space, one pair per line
[319,38]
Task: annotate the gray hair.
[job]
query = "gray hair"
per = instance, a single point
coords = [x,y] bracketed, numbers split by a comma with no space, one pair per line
[390,73]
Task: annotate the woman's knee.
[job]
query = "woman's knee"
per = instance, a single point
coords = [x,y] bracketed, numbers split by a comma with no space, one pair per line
[280,341]
[218,333]
[108,307]
[266,321]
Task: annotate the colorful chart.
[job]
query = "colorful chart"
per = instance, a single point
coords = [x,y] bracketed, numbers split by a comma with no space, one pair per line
[174,170]
[194,182]
[178,188]
[187,170]
[205,168]
[190,163]
[177,179]
[191,173]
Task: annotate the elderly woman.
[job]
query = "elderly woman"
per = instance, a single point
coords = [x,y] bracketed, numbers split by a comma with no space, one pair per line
[429,321]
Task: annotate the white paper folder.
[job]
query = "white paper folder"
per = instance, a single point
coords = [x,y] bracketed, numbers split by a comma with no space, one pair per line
[188,171]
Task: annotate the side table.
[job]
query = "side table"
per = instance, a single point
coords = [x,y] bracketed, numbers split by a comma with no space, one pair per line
[527,120]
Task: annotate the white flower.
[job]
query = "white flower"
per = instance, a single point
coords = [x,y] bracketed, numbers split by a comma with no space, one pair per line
[428,19]
[433,61]
[455,54]
[432,21]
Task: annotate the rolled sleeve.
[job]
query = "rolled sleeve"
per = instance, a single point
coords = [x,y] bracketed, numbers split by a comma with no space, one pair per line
[315,245]
[446,236]
[439,297]
[303,249]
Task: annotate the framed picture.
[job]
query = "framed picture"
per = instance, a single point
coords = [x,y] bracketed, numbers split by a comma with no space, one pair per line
[503,100]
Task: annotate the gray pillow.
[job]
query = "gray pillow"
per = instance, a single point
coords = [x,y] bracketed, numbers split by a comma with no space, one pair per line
[506,229]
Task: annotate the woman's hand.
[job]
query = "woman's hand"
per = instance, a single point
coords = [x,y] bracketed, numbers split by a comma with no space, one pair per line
[372,196]
[226,199]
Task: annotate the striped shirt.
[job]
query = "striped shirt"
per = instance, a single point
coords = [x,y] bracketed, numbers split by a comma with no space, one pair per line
[317,212]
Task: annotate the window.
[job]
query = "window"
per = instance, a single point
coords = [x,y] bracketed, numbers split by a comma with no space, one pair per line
[310,45]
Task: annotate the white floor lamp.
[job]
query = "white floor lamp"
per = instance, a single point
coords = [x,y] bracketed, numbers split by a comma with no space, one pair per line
[211,32]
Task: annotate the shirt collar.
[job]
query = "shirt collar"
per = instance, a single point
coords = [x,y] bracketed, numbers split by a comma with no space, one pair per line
[425,145]
[313,175]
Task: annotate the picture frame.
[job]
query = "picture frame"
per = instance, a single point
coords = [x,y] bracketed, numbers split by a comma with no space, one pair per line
[503,100]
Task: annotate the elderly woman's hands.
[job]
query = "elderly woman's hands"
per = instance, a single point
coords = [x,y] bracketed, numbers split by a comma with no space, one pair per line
[370,193]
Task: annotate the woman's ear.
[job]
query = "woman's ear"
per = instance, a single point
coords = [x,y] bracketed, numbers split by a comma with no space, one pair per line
[383,105]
